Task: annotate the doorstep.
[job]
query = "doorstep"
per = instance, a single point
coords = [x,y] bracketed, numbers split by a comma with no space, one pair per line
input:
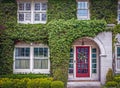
[83,84]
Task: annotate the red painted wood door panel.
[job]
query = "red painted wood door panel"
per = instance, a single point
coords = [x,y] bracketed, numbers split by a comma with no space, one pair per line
[82,61]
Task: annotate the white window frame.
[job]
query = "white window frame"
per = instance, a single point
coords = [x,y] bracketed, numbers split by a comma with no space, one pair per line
[118,12]
[32,12]
[83,17]
[31,69]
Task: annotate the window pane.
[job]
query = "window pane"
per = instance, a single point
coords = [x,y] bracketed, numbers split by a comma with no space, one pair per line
[43,16]
[82,12]
[70,65]
[28,6]
[37,6]
[44,6]
[93,55]
[82,5]
[94,50]
[21,17]
[70,70]
[93,65]
[44,64]
[118,51]
[71,61]
[119,16]
[37,17]
[118,6]
[94,71]
[27,52]
[37,64]
[35,52]
[40,51]
[118,64]
[45,52]
[21,6]
[28,17]
[22,52]
[22,64]
[40,64]
[93,60]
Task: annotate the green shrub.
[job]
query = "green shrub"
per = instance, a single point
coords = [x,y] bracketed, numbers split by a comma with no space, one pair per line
[34,83]
[45,84]
[57,84]
[21,76]
[111,84]
[26,83]
[117,79]
[109,76]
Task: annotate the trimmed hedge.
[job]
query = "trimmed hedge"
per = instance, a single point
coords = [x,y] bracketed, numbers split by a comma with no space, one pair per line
[20,76]
[111,84]
[57,84]
[30,83]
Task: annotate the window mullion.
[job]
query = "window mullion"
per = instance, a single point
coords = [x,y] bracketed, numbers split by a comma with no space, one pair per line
[32,12]
[31,59]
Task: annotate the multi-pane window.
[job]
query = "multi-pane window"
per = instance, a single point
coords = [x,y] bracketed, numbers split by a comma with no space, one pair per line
[71,60]
[31,58]
[118,57]
[40,58]
[94,60]
[118,12]
[22,58]
[83,10]
[32,12]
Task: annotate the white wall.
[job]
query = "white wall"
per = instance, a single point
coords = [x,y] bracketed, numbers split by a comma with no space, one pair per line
[104,40]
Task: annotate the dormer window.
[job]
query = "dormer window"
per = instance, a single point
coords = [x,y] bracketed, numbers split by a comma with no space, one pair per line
[32,12]
[83,10]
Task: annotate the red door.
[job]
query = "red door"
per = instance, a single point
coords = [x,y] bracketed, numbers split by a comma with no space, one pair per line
[82,61]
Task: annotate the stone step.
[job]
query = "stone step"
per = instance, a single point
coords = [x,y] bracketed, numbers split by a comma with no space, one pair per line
[84,84]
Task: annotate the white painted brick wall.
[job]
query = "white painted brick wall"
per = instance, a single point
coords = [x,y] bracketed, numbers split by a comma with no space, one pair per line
[105,38]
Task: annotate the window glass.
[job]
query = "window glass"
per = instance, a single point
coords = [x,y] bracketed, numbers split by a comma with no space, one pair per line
[22,58]
[83,12]
[45,52]
[118,52]
[40,58]
[37,6]
[94,60]
[119,6]
[37,17]
[32,12]
[44,17]
[21,6]
[22,52]
[82,5]
[44,6]
[21,16]
[28,6]
[28,17]
[71,61]
[22,64]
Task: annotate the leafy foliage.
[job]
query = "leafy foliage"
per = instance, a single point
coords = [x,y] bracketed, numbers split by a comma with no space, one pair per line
[61,36]
[21,76]
[58,34]
[104,9]
[61,9]
[109,76]
[26,83]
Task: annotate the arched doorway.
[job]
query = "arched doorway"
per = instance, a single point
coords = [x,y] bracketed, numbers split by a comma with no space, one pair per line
[84,60]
